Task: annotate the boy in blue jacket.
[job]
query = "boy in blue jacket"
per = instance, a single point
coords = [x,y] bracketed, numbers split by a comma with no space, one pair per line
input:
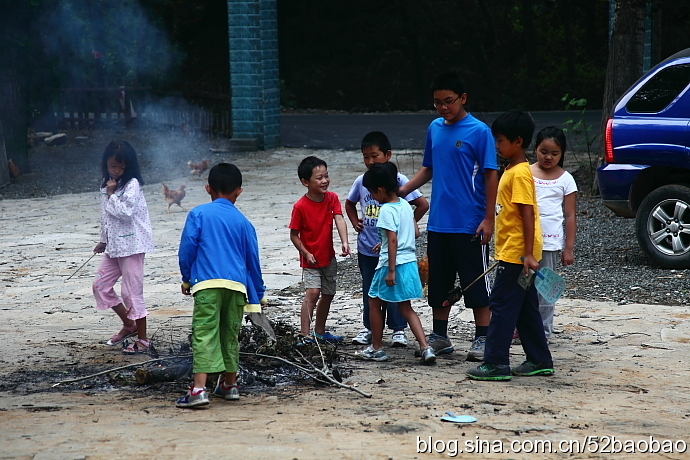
[219,263]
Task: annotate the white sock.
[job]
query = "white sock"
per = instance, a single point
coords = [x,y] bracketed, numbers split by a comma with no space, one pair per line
[196,390]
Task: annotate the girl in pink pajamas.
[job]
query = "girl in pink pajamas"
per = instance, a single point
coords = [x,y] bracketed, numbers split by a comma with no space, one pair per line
[125,237]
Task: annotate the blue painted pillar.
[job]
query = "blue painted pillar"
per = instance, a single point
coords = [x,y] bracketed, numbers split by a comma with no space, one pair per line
[254,79]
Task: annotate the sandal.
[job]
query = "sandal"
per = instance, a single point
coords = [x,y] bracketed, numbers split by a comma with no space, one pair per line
[124,333]
[139,346]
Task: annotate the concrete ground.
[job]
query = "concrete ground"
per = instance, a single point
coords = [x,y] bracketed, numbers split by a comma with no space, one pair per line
[621,370]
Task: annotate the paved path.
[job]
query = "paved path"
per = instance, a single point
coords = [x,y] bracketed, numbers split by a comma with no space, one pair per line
[407,131]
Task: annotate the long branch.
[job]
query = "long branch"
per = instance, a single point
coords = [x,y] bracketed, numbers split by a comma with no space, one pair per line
[308,372]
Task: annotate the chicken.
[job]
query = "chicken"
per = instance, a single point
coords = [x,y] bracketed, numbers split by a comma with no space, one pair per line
[174,196]
[14,171]
[198,169]
[423,267]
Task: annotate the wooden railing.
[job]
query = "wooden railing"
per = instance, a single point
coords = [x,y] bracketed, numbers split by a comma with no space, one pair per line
[192,108]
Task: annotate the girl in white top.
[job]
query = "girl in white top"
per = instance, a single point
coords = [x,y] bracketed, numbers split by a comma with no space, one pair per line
[556,193]
[125,237]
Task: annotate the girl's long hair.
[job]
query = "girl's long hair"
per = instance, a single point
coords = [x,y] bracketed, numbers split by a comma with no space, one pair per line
[124,153]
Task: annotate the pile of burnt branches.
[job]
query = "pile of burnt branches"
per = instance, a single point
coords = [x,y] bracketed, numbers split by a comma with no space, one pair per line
[262,359]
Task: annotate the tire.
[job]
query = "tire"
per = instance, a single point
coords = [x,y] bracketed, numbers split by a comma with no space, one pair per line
[663,226]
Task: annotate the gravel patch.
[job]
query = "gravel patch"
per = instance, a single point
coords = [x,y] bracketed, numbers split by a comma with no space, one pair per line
[609,265]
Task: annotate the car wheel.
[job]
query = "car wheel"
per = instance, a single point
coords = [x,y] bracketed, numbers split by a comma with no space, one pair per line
[663,226]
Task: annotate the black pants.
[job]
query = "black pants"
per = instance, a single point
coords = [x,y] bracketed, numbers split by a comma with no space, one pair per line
[512,307]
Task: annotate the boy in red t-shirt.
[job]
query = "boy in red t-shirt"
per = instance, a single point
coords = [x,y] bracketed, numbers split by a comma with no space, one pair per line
[311,231]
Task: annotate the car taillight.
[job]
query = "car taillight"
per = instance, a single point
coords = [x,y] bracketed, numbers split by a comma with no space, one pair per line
[609,141]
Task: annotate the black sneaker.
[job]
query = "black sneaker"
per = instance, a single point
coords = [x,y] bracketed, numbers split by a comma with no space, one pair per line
[529,368]
[440,344]
[488,371]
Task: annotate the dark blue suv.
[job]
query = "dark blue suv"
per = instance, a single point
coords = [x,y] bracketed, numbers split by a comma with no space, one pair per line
[646,174]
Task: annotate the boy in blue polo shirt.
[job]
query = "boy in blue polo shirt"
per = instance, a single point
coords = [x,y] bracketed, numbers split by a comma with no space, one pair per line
[460,158]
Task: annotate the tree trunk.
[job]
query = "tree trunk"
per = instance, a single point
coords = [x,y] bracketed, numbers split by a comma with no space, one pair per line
[625,57]
[4,172]
[626,53]
[14,103]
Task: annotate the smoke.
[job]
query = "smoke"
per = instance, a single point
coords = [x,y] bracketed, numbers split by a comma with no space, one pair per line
[99,43]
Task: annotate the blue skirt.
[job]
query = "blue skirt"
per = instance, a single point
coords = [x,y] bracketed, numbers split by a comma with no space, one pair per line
[407,285]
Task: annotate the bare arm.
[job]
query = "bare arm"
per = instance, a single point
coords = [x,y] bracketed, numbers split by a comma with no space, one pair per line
[567,258]
[527,213]
[308,257]
[392,253]
[486,227]
[351,211]
[423,176]
[421,207]
[342,232]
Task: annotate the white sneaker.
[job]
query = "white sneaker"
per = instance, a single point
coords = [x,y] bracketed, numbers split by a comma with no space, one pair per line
[363,338]
[399,339]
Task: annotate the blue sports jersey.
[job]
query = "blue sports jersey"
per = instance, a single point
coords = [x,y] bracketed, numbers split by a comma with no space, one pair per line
[459,155]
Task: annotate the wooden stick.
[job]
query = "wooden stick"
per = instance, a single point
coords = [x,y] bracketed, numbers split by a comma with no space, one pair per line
[308,372]
[120,368]
[82,266]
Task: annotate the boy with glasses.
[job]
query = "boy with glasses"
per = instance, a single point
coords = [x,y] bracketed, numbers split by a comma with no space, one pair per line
[460,158]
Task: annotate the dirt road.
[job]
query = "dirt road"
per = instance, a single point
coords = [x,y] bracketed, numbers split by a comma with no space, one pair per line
[621,370]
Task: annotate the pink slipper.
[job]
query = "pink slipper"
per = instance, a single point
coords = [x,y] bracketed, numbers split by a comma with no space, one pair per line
[122,335]
[139,346]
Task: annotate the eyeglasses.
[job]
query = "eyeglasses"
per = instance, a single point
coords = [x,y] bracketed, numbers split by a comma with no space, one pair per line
[439,104]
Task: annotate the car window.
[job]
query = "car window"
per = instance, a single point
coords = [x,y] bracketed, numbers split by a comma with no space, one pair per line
[660,90]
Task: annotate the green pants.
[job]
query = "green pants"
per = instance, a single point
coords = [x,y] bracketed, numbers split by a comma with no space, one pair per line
[216,322]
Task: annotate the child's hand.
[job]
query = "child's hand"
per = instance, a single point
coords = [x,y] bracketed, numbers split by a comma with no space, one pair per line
[186,289]
[567,257]
[346,250]
[377,248]
[530,263]
[309,258]
[390,278]
[110,186]
[358,225]
[485,230]
[100,247]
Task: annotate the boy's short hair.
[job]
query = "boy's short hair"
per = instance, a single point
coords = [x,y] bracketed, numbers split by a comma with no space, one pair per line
[224,178]
[381,175]
[449,81]
[513,124]
[306,167]
[376,139]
